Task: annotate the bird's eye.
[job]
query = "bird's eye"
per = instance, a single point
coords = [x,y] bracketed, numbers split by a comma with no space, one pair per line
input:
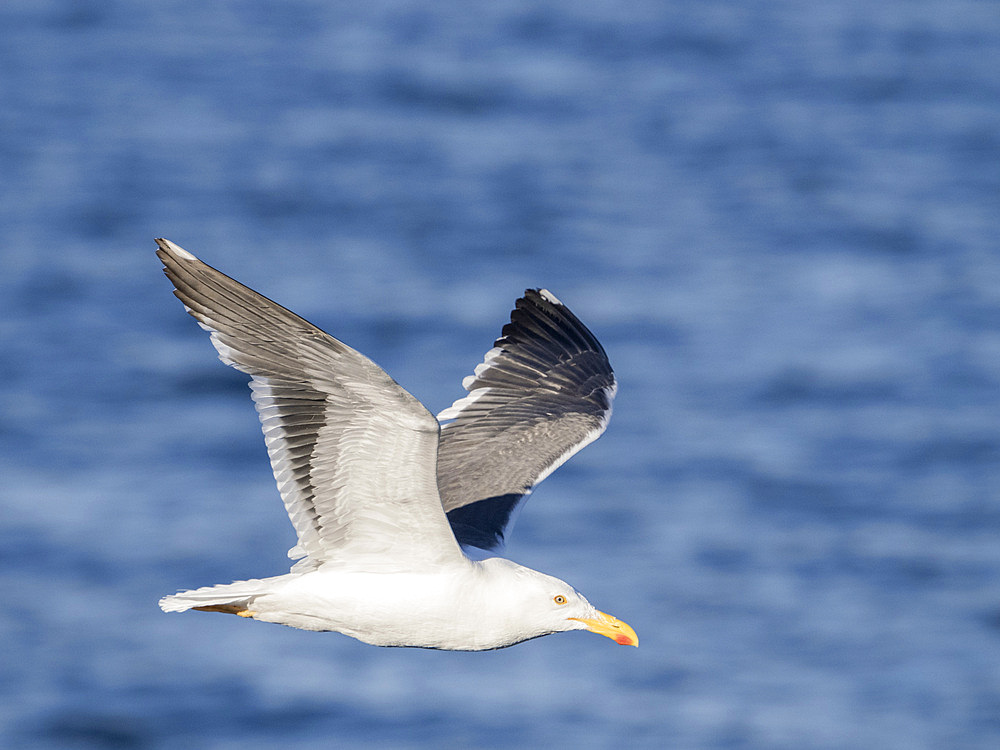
[559,599]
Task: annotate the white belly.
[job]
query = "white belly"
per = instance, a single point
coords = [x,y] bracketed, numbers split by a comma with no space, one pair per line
[383,609]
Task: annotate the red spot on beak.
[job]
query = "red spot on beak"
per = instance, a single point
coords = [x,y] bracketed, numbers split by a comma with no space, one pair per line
[623,640]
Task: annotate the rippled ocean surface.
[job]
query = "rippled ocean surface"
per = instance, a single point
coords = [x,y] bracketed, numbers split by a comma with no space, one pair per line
[780,219]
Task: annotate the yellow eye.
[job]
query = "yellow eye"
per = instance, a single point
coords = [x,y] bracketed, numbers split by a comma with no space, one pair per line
[559,599]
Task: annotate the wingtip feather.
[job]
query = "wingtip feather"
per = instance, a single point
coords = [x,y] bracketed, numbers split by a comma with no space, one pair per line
[174,250]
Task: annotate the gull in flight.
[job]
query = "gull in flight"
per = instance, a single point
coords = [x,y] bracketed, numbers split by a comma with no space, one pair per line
[393,509]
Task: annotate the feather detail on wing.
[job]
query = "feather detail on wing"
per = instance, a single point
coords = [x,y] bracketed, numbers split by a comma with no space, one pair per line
[543,392]
[353,453]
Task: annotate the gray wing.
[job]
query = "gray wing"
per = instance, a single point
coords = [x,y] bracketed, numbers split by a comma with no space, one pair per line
[353,454]
[543,392]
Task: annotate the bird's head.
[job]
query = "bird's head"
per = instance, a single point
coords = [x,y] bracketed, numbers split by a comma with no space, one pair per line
[553,606]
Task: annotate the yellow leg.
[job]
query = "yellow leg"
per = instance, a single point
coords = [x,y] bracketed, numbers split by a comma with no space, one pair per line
[229,609]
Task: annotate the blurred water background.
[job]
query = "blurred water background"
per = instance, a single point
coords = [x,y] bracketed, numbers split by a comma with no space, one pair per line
[780,219]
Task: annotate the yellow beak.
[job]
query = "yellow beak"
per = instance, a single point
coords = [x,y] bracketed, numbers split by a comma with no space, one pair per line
[618,631]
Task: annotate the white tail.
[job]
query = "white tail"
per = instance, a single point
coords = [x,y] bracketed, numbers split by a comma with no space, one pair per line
[222,598]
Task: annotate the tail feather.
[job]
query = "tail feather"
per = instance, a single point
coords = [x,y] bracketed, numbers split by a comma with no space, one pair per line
[226,597]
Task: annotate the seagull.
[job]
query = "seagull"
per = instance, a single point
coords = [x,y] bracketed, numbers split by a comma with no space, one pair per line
[394,511]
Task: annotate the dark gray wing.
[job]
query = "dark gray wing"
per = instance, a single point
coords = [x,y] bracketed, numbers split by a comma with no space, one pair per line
[354,454]
[542,393]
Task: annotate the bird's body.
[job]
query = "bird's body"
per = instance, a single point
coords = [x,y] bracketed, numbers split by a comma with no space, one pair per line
[467,605]
[382,498]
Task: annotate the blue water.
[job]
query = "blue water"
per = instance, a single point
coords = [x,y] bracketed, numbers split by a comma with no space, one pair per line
[780,219]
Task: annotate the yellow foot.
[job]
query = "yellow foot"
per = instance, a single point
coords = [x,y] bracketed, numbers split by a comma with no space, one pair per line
[246,613]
